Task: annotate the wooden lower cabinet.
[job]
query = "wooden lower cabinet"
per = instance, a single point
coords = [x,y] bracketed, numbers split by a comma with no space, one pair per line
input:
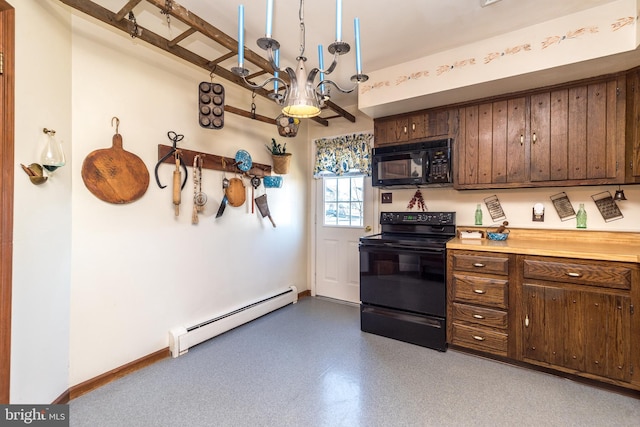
[569,315]
[576,316]
[478,295]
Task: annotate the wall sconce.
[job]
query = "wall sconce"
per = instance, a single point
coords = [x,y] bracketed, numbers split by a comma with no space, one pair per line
[52,158]
[619,195]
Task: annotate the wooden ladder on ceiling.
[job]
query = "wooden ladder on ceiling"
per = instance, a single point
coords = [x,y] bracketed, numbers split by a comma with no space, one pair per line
[196,25]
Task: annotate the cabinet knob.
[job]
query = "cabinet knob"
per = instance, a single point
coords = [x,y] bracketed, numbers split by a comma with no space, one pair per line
[478,264]
[413,126]
[521,139]
[478,316]
[526,321]
[478,338]
[404,129]
[534,138]
[479,291]
[573,274]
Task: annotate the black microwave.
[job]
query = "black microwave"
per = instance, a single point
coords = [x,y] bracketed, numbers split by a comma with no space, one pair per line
[417,164]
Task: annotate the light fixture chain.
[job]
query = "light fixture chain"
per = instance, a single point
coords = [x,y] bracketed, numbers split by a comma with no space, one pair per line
[302,28]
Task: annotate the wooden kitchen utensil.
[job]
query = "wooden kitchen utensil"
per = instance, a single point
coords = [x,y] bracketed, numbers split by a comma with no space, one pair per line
[115,175]
[176,184]
[236,192]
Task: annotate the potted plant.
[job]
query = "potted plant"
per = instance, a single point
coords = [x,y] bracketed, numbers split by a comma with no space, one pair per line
[281,159]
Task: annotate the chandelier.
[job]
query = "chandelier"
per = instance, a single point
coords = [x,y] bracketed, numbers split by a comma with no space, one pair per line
[302,97]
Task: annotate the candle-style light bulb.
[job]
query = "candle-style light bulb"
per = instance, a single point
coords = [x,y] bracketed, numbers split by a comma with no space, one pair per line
[338,20]
[356,28]
[241,36]
[321,66]
[276,60]
[269,18]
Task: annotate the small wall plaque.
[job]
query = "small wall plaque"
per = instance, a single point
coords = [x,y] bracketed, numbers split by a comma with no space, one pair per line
[607,206]
[563,206]
[495,208]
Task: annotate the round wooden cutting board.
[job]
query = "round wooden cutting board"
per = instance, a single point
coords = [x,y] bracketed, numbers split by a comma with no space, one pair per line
[115,175]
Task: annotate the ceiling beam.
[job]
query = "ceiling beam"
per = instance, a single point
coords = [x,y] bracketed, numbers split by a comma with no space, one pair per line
[110,18]
[212,32]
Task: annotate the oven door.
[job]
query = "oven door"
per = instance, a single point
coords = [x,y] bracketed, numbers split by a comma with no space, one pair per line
[404,278]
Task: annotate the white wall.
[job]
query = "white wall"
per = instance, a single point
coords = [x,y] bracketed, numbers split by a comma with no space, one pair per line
[42,216]
[518,203]
[137,269]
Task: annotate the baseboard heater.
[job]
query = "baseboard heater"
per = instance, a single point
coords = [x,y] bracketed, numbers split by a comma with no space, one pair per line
[182,338]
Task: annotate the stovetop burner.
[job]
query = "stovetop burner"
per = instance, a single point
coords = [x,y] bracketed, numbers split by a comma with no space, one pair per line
[426,229]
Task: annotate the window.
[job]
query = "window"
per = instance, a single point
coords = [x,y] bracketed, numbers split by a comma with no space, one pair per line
[343,201]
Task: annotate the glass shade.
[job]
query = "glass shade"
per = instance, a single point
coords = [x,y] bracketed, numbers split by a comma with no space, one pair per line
[52,155]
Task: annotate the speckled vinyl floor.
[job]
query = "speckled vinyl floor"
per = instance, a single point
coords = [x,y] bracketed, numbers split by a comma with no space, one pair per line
[308,364]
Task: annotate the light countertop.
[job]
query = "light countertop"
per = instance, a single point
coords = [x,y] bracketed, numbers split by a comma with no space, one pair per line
[606,246]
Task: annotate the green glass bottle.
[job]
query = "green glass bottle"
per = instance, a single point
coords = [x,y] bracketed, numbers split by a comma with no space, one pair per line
[478,215]
[581,217]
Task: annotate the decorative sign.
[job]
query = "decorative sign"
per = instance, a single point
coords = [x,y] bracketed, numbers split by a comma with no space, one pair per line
[607,206]
[495,208]
[563,206]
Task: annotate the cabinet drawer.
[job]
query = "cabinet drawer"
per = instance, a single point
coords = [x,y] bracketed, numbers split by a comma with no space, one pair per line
[593,273]
[491,264]
[480,315]
[479,338]
[479,290]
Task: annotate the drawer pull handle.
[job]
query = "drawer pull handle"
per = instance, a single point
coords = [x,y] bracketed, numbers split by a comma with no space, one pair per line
[572,274]
[478,338]
[479,291]
[526,321]
[478,264]
[478,316]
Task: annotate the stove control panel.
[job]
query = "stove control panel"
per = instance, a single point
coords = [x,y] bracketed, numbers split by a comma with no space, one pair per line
[422,218]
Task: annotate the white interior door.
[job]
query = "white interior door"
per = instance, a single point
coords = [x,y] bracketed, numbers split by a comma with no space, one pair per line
[345,211]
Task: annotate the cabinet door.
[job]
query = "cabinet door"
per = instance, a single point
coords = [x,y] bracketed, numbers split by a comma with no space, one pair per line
[583,331]
[577,133]
[390,131]
[535,326]
[380,133]
[499,141]
[438,123]
[517,168]
[417,128]
[540,137]
[633,125]
[467,147]
[399,129]
[482,144]
[607,324]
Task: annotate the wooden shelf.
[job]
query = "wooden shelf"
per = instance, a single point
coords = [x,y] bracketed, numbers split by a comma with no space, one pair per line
[212,161]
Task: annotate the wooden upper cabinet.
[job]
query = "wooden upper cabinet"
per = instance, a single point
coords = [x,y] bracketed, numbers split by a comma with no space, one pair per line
[415,127]
[566,136]
[391,130]
[632,166]
[491,144]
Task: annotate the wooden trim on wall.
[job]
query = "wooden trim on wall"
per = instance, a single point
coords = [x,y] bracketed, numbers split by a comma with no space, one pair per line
[96,382]
[7,98]
[304,294]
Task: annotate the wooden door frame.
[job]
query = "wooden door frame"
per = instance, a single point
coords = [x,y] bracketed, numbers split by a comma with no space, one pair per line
[7,125]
